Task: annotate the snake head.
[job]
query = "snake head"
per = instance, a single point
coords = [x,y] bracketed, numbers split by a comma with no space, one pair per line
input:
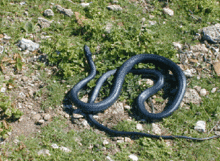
[87,51]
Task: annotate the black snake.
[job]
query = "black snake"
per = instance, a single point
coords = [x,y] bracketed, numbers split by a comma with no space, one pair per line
[163,63]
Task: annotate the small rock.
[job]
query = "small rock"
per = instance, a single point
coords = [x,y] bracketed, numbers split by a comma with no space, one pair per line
[44,23]
[3,89]
[65,149]
[127,107]
[84,4]
[67,12]
[77,116]
[139,127]
[108,27]
[127,139]
[36,117]
[85,123]
[212,33]
[16,141]
[46,117]
[151,23]
[22,3]
[191,96]
[156,129]
[105,142]
[217,68]
[188,73]
[177,45]
[133,157]
[66,115]
[217,132]
[26,44]
[44,152]
[114,7]
[48,13]
[54,146]
[213,90]
[203,92]
[200,126]
[1,49]
[40,122]
[6,37]
[168,11]
[109,159]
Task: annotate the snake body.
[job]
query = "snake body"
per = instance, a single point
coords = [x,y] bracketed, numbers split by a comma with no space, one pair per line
[91,108]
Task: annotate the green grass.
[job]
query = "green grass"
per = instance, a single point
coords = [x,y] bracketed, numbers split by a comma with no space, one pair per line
[127,38]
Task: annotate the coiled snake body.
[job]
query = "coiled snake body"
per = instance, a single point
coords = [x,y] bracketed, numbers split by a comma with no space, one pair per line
[91,108]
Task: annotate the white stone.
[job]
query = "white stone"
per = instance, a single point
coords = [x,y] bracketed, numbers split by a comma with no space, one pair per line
[3,89]
[203,92]
[44,152]
[151,23]
[213,90]
[41,122]
[65,149]
[1,49]
[44,23]
[48,13]
[188,73]
[133,157]
[156,129]
[26,44]
[84,4]
[16,141]
[77,116]
[47,116]
[105,142]
[108,158]
[114,7]
[139,127]
[200,126]
[85,123]
[127,107]
[54,146]
[177,45]
[168,11]
[6,37]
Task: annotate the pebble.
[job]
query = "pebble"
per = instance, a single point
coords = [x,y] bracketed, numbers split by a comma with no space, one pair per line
[54,146]
[44,23]
[192,96]
[200,126]
[26,44]
[85,123]
[77,116]
[139,127]
[65,149]
[211,33]
[40,122]
[1,49]
[177,45]
[6,37]
[36,117]
[3,89]
[105,142]
[213,90]
[203,92]
[156,129]
[216,67]
[127,107]
[133,157]
[44,152]
[67,12]
[151,23]
[109,158]
[46,117]
[168,11]
[188,73]
[108,27]
[84,4]
[48,13]
[114,7]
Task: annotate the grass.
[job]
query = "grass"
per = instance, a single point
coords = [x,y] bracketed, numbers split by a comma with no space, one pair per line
[128,37]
